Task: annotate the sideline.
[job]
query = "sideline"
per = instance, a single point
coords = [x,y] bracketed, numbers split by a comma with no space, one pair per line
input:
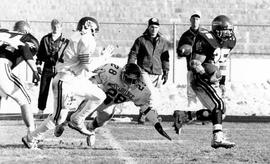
[165,118]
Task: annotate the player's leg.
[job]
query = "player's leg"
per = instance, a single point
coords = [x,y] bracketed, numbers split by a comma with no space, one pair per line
[12,87]
[92,94]
[104,114]
[58,116]
[210,99]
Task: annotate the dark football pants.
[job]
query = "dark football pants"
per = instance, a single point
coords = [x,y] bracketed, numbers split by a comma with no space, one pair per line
[209,97]
[46,77]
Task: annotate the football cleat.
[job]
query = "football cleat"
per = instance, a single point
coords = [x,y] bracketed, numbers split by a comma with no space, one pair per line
[219,140]
[59,130]
[90,140]
[28,143]
[80,128]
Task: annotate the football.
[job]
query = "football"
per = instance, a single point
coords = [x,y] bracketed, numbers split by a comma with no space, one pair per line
[212,71]
[185,50]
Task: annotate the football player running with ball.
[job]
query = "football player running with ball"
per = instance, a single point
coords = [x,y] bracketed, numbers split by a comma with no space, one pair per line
[208,62]
[120,85]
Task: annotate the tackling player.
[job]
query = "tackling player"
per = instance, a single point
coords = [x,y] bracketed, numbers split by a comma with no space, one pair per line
[17,46]
[120,85]
[208,62]
[70,81]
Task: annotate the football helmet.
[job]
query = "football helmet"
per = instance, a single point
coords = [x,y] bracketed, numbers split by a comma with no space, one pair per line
[22,26]
[88,22]
[131,74]
[222,27]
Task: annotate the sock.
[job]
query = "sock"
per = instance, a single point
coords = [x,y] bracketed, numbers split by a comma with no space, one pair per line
[217,128]
[45,126]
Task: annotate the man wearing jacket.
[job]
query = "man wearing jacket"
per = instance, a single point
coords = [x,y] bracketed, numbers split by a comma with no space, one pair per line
[150,52]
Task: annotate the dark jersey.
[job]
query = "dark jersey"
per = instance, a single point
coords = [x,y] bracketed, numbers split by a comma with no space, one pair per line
[215,49]
[17,47]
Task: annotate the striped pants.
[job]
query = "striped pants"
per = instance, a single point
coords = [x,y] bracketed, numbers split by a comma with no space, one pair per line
[208,94]
[11,85]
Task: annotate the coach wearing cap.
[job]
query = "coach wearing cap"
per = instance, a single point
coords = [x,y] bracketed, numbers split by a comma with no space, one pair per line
[150,52]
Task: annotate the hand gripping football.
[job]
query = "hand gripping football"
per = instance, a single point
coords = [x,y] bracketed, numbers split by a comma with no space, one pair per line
[212,71]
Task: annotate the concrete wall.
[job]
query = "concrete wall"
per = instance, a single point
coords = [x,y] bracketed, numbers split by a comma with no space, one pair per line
[251,39]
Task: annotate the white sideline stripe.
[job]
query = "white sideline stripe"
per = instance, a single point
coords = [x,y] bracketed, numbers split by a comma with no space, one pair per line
[122,154]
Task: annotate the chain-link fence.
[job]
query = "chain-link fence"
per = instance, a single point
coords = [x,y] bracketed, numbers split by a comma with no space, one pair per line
[252,40]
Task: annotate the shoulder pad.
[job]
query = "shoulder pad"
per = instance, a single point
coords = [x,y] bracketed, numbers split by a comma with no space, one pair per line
[209,37]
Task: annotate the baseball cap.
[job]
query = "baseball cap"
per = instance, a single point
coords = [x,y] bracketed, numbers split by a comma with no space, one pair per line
[153,21]
[196,13]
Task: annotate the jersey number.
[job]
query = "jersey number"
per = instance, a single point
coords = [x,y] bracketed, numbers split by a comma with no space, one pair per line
[113,95]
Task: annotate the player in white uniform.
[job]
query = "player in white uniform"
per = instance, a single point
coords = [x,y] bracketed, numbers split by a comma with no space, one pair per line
[17,46]
[120,85]
[70,82]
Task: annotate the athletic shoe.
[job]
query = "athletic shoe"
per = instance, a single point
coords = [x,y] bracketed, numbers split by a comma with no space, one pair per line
[219,140]
[80,128]
[28,143]
[59,130]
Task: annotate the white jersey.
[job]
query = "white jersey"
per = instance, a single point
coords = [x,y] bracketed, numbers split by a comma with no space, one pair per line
[79,44]
[109,76]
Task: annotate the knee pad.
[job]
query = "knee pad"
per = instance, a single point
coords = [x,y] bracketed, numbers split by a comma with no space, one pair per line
[204,115]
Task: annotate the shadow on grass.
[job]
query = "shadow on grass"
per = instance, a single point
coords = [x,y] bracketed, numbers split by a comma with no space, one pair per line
[9,146]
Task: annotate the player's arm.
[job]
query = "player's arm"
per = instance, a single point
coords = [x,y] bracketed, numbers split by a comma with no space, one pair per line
[152,116]
[99,76]
[28,57]
[144,103]
[198,57]
[86,47]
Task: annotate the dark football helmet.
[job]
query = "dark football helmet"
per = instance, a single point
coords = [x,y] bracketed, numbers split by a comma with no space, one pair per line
[222,27]
[89,22]
[131,74]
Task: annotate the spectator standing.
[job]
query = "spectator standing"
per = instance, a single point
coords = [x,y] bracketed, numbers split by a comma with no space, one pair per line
[50,45]
[150,52]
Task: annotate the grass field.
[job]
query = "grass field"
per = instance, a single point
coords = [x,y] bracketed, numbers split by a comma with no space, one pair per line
[131,143]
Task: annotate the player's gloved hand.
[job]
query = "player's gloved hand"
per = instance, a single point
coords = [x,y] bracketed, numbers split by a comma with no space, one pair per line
[39,70]
[161,131]
[165,77]
[36,77]
[196,65]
